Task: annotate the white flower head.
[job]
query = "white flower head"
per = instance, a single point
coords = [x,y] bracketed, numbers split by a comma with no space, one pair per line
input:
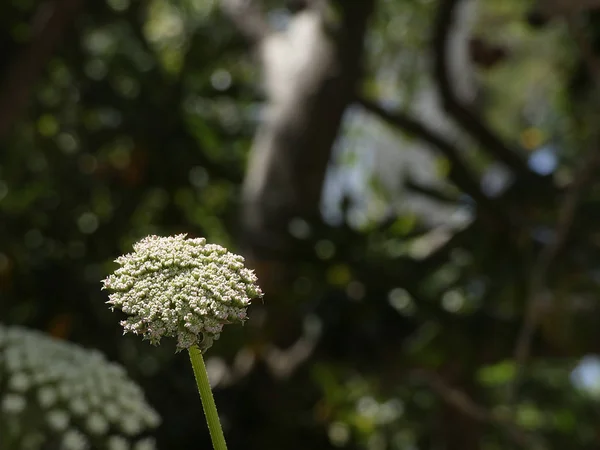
[182,288]
[54,393]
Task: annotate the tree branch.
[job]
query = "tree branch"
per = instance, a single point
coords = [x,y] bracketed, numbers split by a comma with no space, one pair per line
[539,274]
[51,21]
[430,192]
[469,121]
[566,216]
[464,404]
[248,17]
[460,174]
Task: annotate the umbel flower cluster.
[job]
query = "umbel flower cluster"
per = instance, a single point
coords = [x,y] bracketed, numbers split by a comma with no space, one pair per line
[182,288]
[58,395]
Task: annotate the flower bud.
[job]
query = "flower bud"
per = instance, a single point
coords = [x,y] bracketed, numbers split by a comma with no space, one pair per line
[181,288]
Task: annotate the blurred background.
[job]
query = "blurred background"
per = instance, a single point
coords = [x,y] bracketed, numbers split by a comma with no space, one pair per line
[414,181]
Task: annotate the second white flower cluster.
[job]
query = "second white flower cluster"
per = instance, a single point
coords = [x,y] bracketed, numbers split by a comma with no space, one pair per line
[54,394]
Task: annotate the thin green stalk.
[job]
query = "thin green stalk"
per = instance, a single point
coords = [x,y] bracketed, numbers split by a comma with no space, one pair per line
[208,401]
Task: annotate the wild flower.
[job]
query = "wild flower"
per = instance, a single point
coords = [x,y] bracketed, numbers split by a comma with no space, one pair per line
[55,394]
[186,289]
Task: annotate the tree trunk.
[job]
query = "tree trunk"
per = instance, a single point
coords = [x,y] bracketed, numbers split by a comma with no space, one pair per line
[310,74]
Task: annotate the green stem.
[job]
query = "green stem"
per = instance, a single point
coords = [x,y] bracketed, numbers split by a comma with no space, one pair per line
[208,401]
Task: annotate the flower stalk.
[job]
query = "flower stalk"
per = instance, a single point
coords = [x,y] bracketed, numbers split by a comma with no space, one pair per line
[208,401]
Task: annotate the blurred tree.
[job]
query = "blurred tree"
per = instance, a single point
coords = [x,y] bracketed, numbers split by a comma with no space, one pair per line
[415,182]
